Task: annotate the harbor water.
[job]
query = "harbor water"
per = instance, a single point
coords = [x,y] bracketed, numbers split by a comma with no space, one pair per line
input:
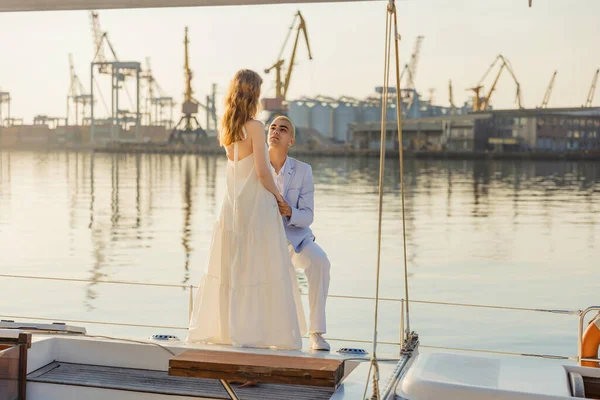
[507,233]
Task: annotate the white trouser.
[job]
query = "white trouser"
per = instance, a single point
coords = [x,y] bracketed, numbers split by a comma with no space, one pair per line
[313,260]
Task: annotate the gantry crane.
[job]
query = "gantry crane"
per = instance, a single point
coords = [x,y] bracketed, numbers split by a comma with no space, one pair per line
[162,104]
[282,84]
[77,96]
[211,109]
[119,71]
[482,103]
[100,37]
[546,98]
[590,96]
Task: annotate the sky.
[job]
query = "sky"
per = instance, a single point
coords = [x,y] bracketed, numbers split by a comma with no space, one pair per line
[462,38]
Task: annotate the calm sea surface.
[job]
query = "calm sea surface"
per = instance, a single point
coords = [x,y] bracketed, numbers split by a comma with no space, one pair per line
[519,234]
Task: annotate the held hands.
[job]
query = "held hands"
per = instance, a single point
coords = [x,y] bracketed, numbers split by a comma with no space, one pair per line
[284,208]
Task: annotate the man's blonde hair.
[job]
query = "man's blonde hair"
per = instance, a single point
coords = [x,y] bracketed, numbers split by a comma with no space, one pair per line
[293,127]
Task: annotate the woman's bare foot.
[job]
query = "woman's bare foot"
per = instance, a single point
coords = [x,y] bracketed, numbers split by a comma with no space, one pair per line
[249,384]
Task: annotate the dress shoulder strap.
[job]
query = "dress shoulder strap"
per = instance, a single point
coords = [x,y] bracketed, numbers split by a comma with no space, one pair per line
[244,133]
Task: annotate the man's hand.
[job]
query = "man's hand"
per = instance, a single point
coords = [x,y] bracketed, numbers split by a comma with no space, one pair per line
[284,208]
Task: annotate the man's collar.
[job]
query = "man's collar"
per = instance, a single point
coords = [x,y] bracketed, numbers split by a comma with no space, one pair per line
[285,164]
[283,167]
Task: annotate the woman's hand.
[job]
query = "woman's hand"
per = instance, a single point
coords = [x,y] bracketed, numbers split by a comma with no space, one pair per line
[284,209]
[279,198]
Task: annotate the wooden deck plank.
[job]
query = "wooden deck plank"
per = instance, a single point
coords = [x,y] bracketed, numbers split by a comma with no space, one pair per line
[259,367]
[325,383]
[148,381]
[257,360]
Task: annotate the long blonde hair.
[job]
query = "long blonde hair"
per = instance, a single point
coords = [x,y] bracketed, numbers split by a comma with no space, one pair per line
[241,105]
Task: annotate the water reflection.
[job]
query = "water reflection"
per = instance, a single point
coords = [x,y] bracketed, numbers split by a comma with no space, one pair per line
[114,205]
[481,180]
[5,186]
[123,221]
[302,281]
[449,193]
[92,196]
[72,179]
[187,216]
[138,211]
[210,166]
[98,244]
[151,165]
[96,274]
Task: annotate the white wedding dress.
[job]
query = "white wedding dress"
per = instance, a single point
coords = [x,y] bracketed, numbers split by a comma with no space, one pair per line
[249,294]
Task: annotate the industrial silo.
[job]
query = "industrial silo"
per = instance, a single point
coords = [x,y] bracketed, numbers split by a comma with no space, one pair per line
[343,115]
[299,113]
[391,113]
[321,118]
[370,113]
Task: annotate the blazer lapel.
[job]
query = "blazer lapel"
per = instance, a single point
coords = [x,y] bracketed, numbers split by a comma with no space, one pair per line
[289,175]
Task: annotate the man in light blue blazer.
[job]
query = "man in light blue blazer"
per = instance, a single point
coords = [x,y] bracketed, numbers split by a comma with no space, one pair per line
[295,182]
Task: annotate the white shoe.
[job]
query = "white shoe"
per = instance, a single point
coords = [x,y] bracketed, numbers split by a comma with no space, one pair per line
[317,342]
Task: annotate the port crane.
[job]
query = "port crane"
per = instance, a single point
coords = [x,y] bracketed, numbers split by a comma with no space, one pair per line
[188,124]
[77,96]
[100,38]
[5,108]
[451,98]
[162,104]
[481,103]
[590,96]
[119,71]
[548,91]
[410,70]
[282,84]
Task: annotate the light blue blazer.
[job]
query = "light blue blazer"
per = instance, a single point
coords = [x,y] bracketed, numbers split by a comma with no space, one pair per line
[299,193]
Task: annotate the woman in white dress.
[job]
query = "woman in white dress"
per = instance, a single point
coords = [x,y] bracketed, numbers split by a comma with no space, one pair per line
[248,295]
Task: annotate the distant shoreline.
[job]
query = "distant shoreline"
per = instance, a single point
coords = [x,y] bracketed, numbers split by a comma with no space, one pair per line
[331,152]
